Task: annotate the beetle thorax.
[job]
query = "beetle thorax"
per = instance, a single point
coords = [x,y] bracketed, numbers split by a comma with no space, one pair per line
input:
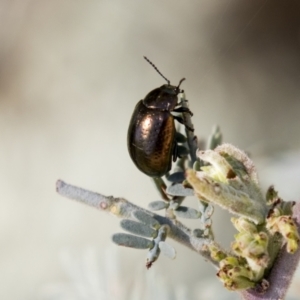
[162,98]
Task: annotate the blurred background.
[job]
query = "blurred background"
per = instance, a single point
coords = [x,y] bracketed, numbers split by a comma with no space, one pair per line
[71,73]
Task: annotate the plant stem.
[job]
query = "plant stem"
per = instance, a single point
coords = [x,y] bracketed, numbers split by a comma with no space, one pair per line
[122,208]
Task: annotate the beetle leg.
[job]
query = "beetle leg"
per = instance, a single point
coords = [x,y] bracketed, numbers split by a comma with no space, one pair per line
[182,100]
[175,151]
[183,109]
[180,120]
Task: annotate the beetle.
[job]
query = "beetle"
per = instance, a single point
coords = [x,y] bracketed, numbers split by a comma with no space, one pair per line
[151,134]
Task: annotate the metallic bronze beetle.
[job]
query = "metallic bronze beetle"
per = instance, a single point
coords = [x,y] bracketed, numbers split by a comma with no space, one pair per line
[151,134]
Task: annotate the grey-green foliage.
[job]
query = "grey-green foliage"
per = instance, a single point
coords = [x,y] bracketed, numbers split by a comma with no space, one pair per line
[158,205]
[138,228]
[146,226]
[132,241]
[187,212]
[146,219]
[178,210]
[180,190]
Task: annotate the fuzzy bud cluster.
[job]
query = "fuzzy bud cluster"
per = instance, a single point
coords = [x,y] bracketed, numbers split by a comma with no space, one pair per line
[229,179]
[280,220]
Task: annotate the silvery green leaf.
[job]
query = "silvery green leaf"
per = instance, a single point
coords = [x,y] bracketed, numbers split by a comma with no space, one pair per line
[176,177]
[138,228]
[167,250]
[179,190]
[146,219]
[152,255]
[182,151]
[158,205]
[179,137]
[154,251]
[132,241]
[187,212]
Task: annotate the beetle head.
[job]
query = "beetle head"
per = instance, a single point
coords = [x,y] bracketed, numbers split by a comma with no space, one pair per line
[164,97]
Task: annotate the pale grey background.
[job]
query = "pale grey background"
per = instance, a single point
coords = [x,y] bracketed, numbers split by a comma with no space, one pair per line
[71,73]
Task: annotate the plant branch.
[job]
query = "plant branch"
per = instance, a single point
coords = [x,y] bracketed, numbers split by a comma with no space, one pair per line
[122,208]
[279,277]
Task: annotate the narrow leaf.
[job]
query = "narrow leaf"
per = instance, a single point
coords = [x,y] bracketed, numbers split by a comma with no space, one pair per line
[167,250]
[138,228]
[128,240]
[176,177]
[152,255]
[179,190]
[187,212]
[146,219]
[158,205]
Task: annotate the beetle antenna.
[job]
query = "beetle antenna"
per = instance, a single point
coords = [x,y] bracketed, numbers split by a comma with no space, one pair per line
[155,68]
[180,82]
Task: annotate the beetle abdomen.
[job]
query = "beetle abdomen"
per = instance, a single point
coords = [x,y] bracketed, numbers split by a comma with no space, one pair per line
[151,140]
